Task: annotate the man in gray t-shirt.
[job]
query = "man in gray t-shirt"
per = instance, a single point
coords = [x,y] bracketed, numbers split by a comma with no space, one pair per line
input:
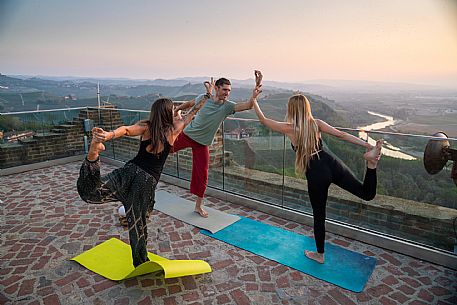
[200,132]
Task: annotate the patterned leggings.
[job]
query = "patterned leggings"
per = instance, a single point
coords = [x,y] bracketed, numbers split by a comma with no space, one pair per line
[130,185]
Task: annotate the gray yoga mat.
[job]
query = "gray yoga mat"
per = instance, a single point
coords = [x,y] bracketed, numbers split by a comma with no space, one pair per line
[183,209]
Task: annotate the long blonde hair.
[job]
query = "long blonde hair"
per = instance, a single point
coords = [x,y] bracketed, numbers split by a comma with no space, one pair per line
[305,129]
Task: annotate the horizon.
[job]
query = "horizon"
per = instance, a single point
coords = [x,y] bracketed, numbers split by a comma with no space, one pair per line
[412,41]
[306,82]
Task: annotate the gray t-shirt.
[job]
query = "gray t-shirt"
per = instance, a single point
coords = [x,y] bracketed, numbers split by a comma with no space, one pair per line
[204,126]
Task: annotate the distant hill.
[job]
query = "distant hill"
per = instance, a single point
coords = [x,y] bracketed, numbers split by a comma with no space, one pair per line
[83,91]
[275,106]
[20,94]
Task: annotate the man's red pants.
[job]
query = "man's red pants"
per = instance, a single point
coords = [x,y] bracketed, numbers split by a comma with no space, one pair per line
[200,163]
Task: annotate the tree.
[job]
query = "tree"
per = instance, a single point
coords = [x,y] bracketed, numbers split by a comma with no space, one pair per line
[8,123]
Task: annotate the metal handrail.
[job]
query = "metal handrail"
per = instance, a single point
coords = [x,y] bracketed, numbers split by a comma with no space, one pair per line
[394,133]
[362,130]
[113,109]
[238,119]
[45,110]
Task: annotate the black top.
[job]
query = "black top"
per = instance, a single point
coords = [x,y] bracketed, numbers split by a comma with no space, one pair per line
[319,145]
[150,162]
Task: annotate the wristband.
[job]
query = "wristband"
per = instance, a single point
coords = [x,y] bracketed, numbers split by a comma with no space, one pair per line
[114,135]
[207,95]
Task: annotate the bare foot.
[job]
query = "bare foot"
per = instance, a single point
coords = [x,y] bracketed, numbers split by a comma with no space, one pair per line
[372,156]
[199,207]
[148,215]
[201,212]
[318,257]
[123,221]
[94,150]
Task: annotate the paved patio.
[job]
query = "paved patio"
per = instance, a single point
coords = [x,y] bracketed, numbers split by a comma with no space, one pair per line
[44,223]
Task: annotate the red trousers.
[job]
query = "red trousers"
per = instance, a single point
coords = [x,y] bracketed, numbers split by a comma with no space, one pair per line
[200,163]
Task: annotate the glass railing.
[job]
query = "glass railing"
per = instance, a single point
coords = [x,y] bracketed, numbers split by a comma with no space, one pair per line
[410,203]
[249,160]
[255,161]
[36,136]
[36,121]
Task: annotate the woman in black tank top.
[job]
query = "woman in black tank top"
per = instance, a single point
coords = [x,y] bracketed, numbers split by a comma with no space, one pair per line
[134,184]
[320,168]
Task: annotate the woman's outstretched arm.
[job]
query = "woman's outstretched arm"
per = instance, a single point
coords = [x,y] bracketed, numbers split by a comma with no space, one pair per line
[132,130]
[282,127]
[328,129]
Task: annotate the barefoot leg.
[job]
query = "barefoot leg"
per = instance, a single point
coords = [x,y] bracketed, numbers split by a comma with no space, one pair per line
[372,156]
[94,150]
[199,208]
[318,257]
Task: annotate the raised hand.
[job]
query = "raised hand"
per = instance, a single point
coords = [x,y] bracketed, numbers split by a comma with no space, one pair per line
[177,114]
[258,78]
[257,90]
[210,86]
[100,135]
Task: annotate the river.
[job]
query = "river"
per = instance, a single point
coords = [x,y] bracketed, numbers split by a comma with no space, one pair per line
[387,149]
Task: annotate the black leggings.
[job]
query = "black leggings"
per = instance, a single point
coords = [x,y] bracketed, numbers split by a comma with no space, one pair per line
[320,174]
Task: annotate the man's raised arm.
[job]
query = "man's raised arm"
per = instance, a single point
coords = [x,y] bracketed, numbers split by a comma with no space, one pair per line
[257,90]
[181,122]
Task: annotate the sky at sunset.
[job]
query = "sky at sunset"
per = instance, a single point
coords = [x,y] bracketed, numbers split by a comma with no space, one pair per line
[291,40]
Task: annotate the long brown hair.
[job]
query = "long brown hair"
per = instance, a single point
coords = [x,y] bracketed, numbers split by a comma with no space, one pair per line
[160,123]
[305,129]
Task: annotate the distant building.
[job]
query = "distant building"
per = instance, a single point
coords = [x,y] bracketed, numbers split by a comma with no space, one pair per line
[240,133]
[70,97]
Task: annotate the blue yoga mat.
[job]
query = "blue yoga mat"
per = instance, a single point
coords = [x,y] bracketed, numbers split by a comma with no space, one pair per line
[344,268]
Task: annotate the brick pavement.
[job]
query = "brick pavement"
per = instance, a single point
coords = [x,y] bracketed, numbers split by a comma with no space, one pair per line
[44,224]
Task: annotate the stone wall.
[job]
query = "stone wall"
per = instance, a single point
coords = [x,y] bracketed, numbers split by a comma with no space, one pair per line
[62,140]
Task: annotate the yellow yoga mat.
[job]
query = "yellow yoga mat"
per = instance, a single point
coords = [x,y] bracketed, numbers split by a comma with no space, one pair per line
[113,260]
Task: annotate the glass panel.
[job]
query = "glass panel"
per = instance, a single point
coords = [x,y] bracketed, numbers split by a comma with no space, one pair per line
[125,148]
[184,159]
[253,161]
[411,203]
[216,161]
[171,165]
[33,137]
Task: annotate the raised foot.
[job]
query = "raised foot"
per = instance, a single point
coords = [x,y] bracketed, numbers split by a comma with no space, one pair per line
[318,257]
[123,221]
[373,155]
[97,146]
[201,212]
[95,149]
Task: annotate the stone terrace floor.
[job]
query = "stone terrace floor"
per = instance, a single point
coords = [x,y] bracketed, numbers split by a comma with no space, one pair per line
[44,223]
